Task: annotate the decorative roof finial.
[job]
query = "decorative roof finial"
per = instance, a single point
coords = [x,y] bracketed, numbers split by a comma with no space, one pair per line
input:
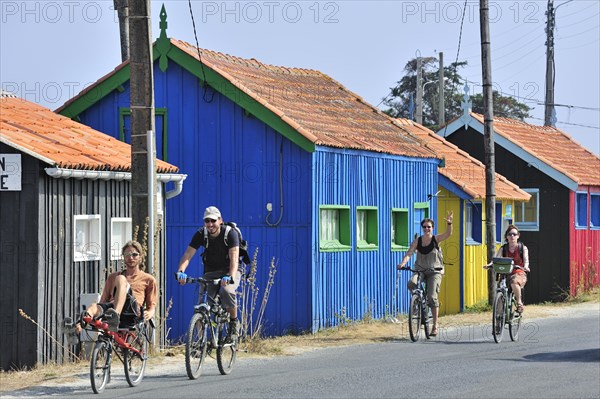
[163,22]
[466,105]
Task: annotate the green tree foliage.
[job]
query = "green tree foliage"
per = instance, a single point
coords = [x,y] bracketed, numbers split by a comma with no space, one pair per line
[398,100]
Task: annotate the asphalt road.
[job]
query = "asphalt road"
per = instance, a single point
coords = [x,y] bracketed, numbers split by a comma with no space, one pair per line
[557,357]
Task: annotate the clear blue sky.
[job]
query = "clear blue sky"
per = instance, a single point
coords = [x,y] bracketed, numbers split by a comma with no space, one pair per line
[51,50]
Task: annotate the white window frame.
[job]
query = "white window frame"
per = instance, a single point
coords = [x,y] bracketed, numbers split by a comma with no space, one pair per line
[117,237]
[520,212]
[87,241]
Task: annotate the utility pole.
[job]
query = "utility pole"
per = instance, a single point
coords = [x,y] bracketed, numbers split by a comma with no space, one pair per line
[441,112]
[488,132]
[143,201]
[549,103]
[549,110]
[419,92]
[123,13]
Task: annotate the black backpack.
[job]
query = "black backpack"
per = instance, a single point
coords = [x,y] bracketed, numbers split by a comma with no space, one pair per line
[243,243]
[505,250]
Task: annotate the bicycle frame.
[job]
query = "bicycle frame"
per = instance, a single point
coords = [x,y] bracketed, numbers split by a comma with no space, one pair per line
[208,330]
[211,307]
[419,292]
[119,337]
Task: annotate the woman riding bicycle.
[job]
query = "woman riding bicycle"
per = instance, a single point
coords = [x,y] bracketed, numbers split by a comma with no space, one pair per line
[513,248]
[430,263]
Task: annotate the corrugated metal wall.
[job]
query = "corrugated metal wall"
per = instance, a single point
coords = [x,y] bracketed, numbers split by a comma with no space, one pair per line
[61,279]
[19,266]
[355,284]
[451,287]
[585,248]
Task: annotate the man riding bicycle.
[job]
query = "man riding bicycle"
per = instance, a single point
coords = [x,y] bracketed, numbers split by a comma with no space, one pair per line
[220,259]
[124,291]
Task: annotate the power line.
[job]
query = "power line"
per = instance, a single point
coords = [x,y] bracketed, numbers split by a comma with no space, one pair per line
[568,123]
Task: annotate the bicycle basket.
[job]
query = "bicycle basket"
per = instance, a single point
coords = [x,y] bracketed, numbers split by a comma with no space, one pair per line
[503,265]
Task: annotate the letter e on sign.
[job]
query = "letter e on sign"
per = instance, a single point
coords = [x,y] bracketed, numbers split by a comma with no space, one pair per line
[10,172]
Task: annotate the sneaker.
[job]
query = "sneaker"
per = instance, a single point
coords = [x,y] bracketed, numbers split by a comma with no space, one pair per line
[232,332]
[111,317]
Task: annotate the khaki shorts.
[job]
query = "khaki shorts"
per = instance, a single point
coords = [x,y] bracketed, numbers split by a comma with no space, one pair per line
[433,280]
[228,293]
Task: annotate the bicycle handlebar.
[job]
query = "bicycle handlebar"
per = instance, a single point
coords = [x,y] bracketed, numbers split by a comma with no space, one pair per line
[408,268]
[209,281]
[490,266]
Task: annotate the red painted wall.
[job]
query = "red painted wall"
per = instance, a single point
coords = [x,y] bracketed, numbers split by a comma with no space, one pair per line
[585,248]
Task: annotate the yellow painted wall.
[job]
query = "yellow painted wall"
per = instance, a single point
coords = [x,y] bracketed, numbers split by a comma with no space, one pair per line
[450,289]
[475,277]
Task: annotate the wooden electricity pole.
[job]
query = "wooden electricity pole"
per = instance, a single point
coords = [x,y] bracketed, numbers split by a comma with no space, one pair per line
[488,131]
[441,111]
[419,119]
[123,13]
[143,201]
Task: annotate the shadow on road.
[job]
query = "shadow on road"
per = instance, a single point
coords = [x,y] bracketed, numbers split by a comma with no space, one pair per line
[582,355]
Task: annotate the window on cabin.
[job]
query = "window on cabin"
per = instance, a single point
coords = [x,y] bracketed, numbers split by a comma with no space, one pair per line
[120,233]
[595,211]
[366,228]
[527,213]
[498,222]
[473,223]
[581,208]
[400,233]
[86,238]
[334,228]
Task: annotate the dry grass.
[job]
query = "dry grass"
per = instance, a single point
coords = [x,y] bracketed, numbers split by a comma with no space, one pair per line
[355,333]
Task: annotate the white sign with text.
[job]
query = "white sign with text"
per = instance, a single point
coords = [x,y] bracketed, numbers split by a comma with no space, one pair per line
[10,172]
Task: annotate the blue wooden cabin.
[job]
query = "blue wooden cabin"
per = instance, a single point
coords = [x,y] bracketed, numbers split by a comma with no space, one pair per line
[317,179]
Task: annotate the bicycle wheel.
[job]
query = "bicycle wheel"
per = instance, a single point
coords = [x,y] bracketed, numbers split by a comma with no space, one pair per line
[196,345]
[498,316]
[414,317]
[426,319]
[514,319]
[135,363]
[100,366]
[226,352]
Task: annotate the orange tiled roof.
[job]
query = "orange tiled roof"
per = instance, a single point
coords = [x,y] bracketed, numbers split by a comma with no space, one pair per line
[318,107]
[62,141]
[552,146]
[462,169]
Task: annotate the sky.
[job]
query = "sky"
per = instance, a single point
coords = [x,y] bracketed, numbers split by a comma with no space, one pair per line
[51,50]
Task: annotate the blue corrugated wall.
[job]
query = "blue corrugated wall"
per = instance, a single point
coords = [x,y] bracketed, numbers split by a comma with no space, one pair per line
[360,283]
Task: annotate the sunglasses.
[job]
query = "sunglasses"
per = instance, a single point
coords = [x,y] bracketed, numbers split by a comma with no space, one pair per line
[207,220]
[513,234]
[427,227]
[131,254]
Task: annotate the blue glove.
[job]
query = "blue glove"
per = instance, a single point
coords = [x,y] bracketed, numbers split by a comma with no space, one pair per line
[181,276]
[226,279]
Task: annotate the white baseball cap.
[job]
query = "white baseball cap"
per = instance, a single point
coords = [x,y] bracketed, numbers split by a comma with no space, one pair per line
[212,213]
